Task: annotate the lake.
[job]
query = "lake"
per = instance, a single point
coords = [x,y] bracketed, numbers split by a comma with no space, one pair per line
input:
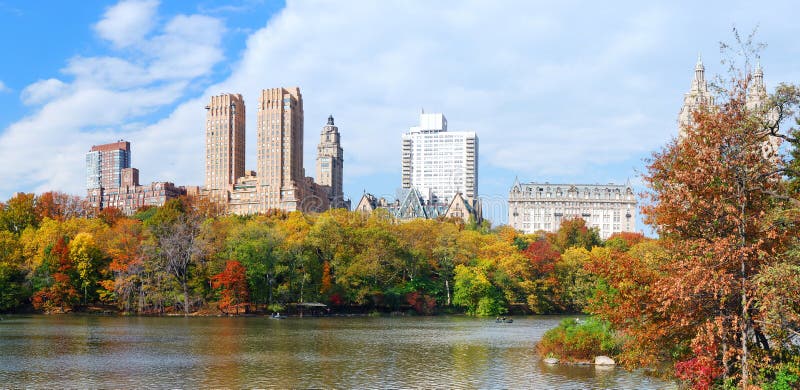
[71,351]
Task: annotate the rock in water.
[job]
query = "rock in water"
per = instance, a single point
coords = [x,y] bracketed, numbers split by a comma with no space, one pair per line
[604,361]
[551,360]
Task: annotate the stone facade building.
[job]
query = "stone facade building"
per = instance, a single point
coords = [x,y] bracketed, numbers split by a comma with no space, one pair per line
[330,164]
[279,150]
[697,97]
[279,181]
[225,130]
[536,207]
[130,198]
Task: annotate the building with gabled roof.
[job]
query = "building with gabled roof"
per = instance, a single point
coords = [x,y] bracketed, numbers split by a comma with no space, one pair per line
[409,204]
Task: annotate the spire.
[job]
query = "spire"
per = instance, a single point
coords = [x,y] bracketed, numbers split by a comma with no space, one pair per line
[759,72]
[330,120]
[699,69]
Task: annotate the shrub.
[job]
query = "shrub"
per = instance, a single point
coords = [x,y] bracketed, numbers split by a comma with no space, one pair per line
[579,340]
[785,377]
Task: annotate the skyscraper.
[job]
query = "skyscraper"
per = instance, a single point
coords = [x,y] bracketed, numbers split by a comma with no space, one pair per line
[440,163]
[279,181]
[111,182]
[757,100]
[698,96]
[104,164]
[757,92]
[225,130]
[330,163]
[279,146]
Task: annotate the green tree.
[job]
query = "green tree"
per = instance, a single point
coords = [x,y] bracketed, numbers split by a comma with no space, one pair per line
[574,232]
[575,284]
[88,262]
[12,277]
[475,292]
[255,246]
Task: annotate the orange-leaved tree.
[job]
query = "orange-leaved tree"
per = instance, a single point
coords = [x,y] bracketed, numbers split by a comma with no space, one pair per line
[715,201]
[233,284]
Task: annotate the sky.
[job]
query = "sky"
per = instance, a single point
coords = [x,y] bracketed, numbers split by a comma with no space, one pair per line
[559,92]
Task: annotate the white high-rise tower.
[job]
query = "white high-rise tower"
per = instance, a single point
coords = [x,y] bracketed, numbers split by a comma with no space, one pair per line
[440,163]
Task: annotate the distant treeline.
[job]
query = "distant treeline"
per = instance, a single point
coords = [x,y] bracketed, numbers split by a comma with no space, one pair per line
[186,256]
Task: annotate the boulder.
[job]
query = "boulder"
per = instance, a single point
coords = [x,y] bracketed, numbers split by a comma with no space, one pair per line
[604,361]
[551,360]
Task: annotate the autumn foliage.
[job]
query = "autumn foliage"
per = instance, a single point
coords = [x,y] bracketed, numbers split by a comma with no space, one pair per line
[60,294]
[726,224]
[232,283]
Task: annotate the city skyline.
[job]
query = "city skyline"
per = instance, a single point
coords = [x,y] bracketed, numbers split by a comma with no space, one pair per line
[548,107]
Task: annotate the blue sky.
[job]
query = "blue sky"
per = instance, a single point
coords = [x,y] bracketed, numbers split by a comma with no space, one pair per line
[571,92]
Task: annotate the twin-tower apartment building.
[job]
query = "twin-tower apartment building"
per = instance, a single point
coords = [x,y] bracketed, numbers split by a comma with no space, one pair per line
[279,181]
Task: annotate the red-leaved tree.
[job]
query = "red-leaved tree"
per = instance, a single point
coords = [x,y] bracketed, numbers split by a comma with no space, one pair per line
[232,281]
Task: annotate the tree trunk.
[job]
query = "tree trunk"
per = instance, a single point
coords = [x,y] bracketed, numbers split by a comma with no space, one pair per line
[745,320]
[302,284]
[185,297]
[447,288]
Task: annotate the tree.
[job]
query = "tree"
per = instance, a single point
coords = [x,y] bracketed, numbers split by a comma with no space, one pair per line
[623,241]
[59,206]
[254,245]
[378,264]
[573,283]
[87,260]
[332,238]
[541,284]
[60,293]
[177,243]
[475,292]
[233,284]
[123,244]
[623,296]
[716,198]
[12,277]
[19,213]
[574,232]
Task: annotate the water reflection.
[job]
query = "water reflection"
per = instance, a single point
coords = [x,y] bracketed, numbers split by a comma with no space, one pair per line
[124,352]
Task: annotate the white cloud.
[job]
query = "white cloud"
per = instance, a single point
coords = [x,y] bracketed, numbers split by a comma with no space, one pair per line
[557,91]
[102,97]
[4,87]
[127,22]
[42,91]
[189,46]
[373,65]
